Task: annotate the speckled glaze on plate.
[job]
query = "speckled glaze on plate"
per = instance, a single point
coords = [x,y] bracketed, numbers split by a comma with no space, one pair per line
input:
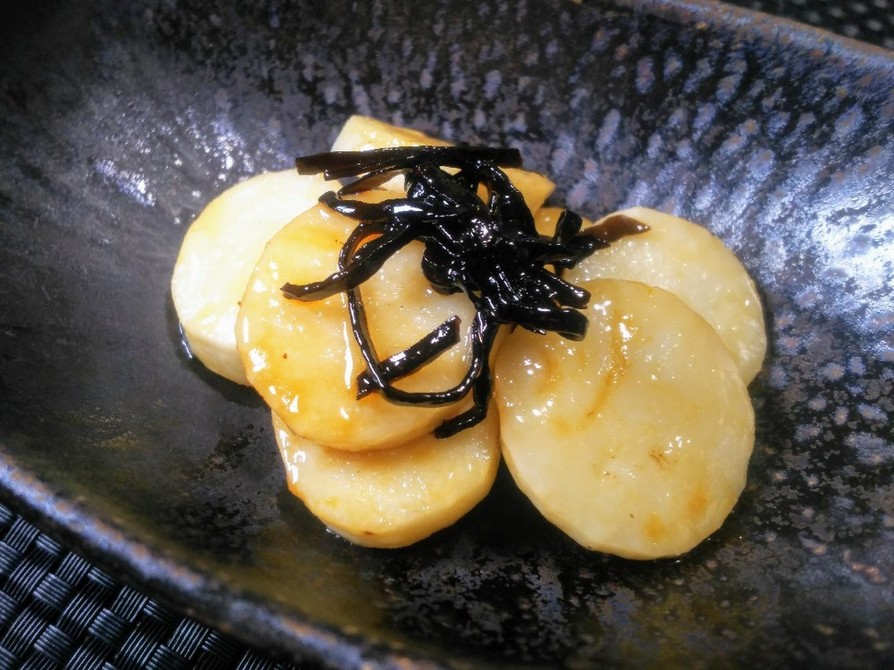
[120,120]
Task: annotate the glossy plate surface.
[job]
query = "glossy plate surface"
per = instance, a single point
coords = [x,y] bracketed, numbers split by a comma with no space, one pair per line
[120,120]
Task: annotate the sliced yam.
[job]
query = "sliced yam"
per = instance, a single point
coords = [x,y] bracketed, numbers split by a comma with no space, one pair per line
[362,133]
[394,497]
[687,260]
[302,357]
[218,254]
[636,440]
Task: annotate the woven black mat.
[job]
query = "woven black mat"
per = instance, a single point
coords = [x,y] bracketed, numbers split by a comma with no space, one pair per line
[57,610]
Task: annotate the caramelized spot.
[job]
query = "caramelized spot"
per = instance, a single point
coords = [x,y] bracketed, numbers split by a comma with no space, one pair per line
[654,529]
[697,505]
[657,455]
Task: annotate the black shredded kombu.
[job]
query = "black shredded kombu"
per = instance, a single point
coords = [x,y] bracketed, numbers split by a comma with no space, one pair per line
[485,246]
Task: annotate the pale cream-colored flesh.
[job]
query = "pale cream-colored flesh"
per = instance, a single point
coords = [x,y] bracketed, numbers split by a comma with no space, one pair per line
[393,497]
[636,440]
[362,133]
[218,254]
[690,262]
[302,358]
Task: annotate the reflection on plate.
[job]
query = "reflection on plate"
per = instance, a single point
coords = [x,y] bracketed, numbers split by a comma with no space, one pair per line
[121,121]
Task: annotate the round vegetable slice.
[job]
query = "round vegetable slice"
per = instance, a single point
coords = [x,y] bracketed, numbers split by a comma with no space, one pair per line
[302,357]
[687,260]
[218,254]
[636,440]
[393,497]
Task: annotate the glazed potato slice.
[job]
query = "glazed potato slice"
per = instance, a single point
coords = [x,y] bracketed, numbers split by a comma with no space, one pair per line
[394,497]
[302,358]
[636,440]
[687,260]
[217,256]
[362,133]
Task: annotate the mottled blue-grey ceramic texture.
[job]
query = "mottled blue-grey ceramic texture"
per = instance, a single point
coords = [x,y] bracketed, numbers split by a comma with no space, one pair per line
[120,120]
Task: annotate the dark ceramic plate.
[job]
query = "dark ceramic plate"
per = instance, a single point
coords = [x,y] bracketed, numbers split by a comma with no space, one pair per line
[120,120]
